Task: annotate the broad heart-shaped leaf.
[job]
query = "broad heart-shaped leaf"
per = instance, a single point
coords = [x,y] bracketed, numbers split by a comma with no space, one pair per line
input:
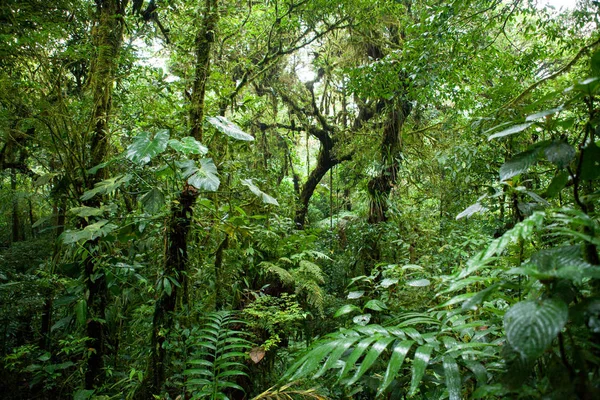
[511,131]
[144,147]
[472,209]
[563,262]
[188,145]
[453,382]
[153,200]
[590,166]
[398,354]
[203,178]
[420,362]
[229,128]
[522,161]
[560,153]
[106,186]
[531,325]
[261,195]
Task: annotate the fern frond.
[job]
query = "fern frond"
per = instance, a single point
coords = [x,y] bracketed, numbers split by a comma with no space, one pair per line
[355,352]
[216,351]
[310,270]
[285,277]
[286,392]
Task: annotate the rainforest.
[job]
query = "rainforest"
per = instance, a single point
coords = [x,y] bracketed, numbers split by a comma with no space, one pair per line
[299,199]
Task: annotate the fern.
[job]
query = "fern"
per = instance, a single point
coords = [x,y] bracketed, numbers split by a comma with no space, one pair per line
[215,361]
[357,351]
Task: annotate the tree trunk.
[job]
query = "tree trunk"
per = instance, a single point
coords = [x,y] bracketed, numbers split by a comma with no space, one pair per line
[380,187]
[182,213]
[107,37]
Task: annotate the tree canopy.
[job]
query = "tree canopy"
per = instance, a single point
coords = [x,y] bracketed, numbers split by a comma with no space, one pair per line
[288,199]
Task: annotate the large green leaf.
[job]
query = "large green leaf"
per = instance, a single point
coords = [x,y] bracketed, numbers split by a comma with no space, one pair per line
[560,153]
[420,362]
[531,325]
[203,177]
[90,232]
[145,147]
[557,184]
[590,166]
[188,145]
[374,352]
[518,164]
[452,373]
[153,200]
[472,209]
[106,186]
[229,128]
[265,198]
[564,262]
[398,354]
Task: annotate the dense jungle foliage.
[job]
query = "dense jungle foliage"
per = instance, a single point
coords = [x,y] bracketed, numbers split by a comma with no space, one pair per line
[299,199]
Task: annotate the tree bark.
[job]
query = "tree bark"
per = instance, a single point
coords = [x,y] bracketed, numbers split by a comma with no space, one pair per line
[107,37]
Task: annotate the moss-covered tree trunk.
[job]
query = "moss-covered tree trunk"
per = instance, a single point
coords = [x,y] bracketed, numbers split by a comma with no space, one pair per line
[380,187]
[107,36]
[176,260]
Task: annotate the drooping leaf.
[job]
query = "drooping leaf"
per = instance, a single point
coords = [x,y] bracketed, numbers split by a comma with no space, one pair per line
[188,145]
[81,312]
[396,360]
[153,200]
[590,166]
[564,262]
[453,381]
[265,198]
[90,232]
[531,326]
[511,131]
[560,153]
[420,362]
[519,163]
[542,114]
[145,147]
[472,209]
[229,128]
[557,184]
[376,349]
[106,186]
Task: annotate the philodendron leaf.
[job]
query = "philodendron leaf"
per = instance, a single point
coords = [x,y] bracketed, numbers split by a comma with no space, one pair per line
[203,178]
[229,128]
[531,325]
[188,145]
[511,131]
[261,195]
[153,200]
[145,147]
[106,186]
[90,232]
[420,362]
[560,153]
